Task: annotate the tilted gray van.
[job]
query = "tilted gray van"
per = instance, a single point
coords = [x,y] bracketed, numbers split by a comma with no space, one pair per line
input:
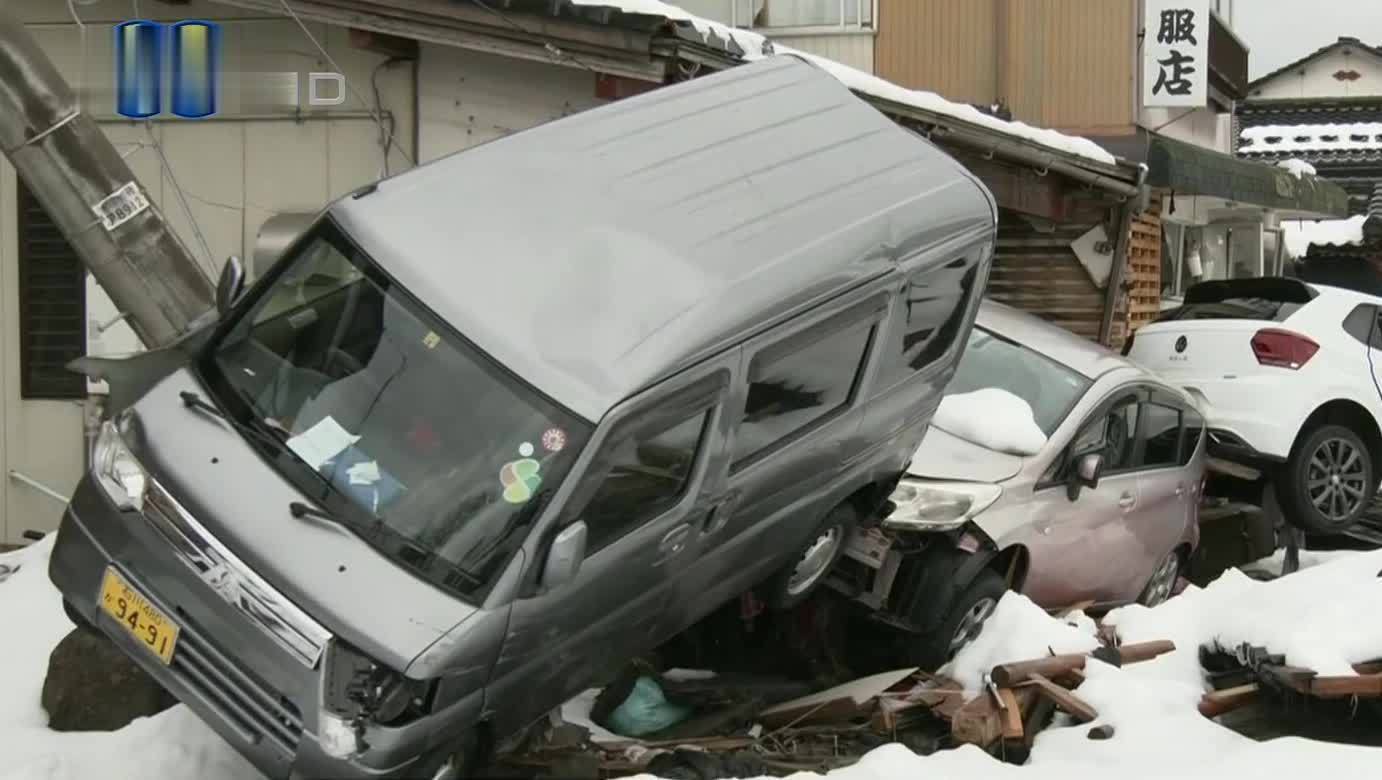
[494,425]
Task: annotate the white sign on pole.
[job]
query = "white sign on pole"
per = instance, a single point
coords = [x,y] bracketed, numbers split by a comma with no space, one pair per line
[1175,53]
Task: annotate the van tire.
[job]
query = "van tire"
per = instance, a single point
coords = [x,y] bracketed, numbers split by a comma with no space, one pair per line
[786,589]
[1317,457]
[968,612]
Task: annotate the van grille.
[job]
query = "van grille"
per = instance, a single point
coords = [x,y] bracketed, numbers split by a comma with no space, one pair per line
[252,707]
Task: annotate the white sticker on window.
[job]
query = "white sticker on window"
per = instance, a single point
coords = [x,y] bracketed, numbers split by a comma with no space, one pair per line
[121,206]
[321,442]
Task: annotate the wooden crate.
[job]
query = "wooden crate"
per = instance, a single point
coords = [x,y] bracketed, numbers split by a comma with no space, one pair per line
[1144,270]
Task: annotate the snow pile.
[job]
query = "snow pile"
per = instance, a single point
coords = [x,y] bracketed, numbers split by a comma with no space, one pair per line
[173,744]
[1347,137]
[1297,167]
[1300,235]
[752,43]
[992,418]
[1021,631]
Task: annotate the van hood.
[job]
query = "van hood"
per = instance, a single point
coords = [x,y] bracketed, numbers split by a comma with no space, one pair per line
[943,455]
[347,586]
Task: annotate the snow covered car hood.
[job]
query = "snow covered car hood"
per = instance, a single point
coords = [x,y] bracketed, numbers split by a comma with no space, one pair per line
[943,455]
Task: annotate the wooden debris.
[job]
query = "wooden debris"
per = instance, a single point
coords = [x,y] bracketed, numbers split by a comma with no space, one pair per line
[1101,732]
[1058,665]
[1216,703]
[1363,685]
[1012,714]
[1064,699]
[978,722]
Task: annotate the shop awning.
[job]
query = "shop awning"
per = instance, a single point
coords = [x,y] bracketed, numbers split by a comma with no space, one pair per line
[1186,169]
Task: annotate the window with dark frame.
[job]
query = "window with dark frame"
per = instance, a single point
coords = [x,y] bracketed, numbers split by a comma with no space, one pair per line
[791,392]
[645,475]
[52,305]
[1162,424]
[934,304]
[1194,431]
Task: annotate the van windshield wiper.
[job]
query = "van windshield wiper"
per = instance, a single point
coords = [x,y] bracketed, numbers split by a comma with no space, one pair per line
[193,401]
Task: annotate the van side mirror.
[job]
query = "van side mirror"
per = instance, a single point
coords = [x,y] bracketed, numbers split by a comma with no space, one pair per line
[565,555]
[231,284]
[1088,469]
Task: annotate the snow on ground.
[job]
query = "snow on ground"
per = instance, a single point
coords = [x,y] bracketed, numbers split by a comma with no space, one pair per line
[752,43]
[992,417]
[1320,617]
[173,744]
[1297,167]
[1301,234]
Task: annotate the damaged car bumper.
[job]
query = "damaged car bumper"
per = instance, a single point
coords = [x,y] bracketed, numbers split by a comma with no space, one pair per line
[243,659]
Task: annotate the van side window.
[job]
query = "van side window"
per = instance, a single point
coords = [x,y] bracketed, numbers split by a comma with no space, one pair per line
[646,474]
[934,303]
[789,392]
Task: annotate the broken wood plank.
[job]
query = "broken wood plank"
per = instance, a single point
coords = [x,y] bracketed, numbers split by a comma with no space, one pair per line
[1012,714]
[1145,651]
[978,722]
[1010,674]
[1065,700]
[1216,703]
[1368,686]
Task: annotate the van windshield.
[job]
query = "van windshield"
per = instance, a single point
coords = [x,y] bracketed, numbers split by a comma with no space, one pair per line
[401,428]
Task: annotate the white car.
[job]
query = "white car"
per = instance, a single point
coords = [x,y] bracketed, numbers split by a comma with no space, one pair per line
[1285,373]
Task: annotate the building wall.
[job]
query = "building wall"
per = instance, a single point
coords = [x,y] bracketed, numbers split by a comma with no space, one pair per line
[1065,64]
[855,49]
[1316,78]
[233,171]
[466,98]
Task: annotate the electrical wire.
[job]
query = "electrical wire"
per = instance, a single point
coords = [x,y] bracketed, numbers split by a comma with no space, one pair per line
[552,49]
[374,113]
[1367,347]
[386,139]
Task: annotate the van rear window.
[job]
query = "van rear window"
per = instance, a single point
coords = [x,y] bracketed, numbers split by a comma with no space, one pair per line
[1233,309]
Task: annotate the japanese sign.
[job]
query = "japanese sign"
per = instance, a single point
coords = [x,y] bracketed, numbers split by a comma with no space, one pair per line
[1175,53]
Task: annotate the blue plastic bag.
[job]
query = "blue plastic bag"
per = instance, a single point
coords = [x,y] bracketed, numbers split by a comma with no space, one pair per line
[646,710]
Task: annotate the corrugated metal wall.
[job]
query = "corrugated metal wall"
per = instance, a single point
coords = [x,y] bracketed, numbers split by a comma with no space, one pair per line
[946,46]
[1069,64]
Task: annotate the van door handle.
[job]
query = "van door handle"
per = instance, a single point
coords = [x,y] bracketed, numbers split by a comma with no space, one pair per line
[1180,490]
[1127,500]
[675,540]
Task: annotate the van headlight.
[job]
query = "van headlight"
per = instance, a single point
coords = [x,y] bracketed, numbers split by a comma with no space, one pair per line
[938,506]
[117,471]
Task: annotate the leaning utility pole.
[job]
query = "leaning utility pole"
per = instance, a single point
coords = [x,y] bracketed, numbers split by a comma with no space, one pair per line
[86,187]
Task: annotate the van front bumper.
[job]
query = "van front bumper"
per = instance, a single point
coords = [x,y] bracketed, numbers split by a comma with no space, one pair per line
[261,721]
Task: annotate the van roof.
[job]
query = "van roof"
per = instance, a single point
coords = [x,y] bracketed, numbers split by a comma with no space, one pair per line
[597,254]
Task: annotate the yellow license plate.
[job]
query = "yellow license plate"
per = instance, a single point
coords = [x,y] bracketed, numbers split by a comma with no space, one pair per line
[140,619]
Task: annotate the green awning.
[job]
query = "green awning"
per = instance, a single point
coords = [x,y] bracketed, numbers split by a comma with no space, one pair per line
[1186,169]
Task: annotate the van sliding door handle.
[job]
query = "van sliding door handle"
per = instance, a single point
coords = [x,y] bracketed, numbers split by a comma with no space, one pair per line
[1180,490]
[1127,500]
[675,540]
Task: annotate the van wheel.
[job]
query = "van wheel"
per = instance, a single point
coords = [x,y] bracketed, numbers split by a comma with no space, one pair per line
[963,621]
[1329,481]
[790,586]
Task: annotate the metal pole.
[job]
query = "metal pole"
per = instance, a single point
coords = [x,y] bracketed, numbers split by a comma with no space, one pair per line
[71,167]
[39,486]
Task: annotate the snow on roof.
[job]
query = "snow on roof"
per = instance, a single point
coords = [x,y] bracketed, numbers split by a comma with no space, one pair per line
[1298,167]
[1354,136]
[1300,235]
[753,43]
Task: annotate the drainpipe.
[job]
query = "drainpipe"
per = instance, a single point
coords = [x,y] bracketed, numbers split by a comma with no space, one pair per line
[71,167]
